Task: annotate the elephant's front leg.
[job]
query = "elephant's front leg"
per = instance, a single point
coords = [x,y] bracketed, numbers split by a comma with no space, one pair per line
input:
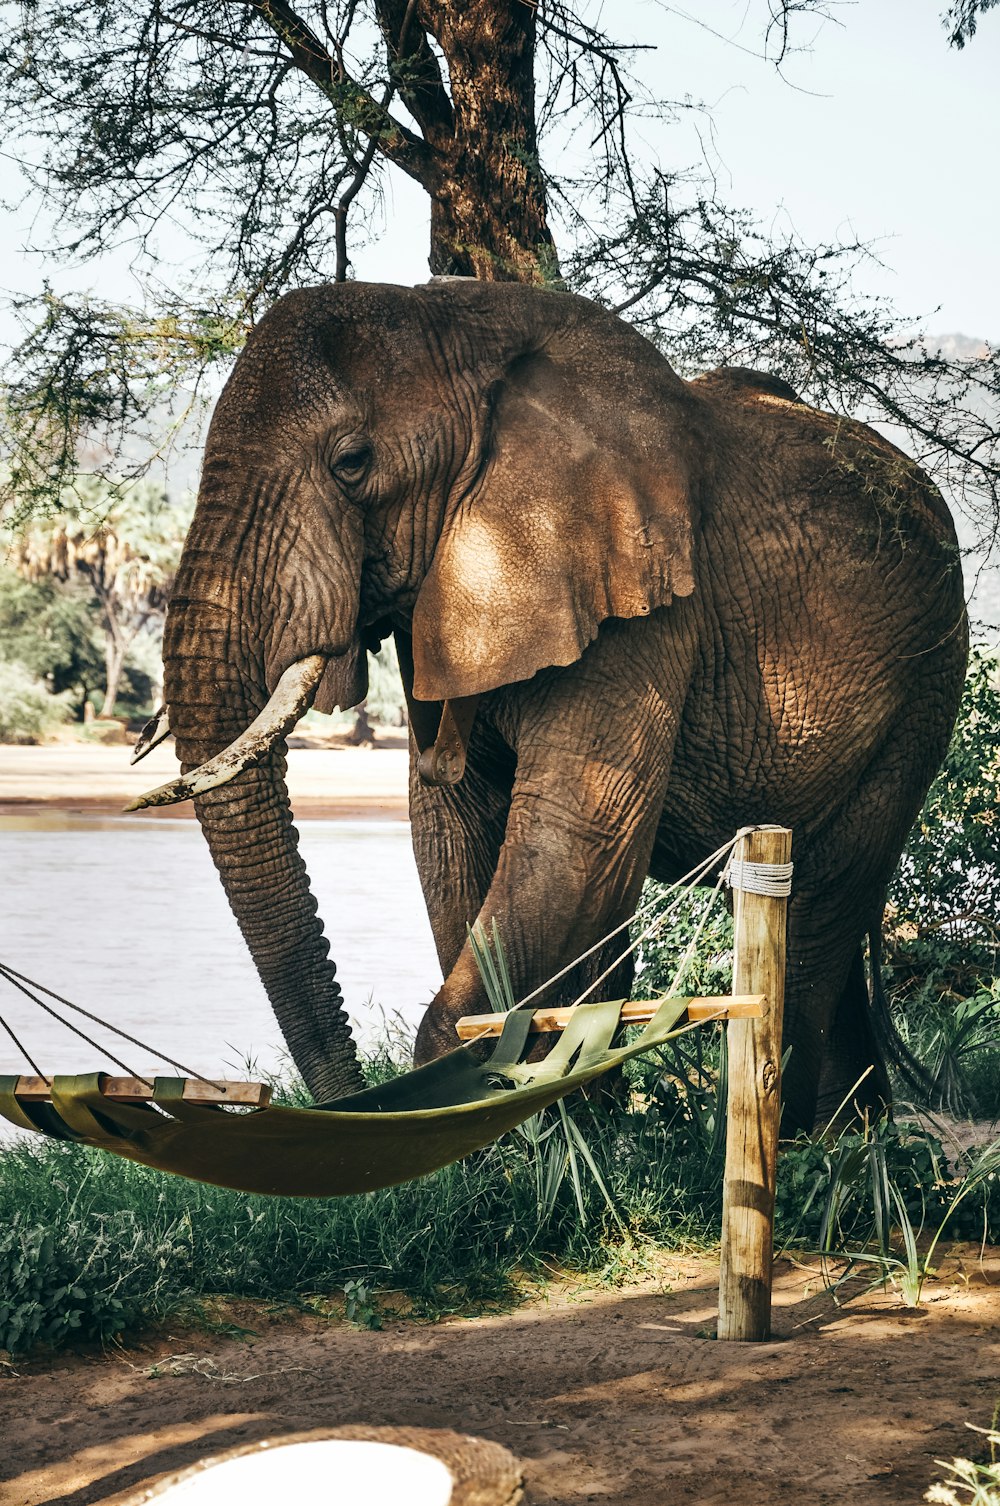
[594,745]
[457,832]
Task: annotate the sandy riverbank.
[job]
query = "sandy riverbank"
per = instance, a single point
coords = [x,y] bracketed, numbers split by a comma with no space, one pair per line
[324,783]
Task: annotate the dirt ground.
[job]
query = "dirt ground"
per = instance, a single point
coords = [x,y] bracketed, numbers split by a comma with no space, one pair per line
[605,1396]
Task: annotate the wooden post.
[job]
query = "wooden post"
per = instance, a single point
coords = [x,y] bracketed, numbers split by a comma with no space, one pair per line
[760,924]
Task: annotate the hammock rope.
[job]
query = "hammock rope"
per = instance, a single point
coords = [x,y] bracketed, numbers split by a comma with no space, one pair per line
[21,1046]
[686,882]
[14,980]
[19,979]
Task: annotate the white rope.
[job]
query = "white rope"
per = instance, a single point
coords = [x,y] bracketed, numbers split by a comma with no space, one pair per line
[774,879]
[682,886]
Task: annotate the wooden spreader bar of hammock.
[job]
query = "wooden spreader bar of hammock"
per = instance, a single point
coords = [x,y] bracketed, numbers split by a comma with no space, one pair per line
[255,1095]
[473,1027]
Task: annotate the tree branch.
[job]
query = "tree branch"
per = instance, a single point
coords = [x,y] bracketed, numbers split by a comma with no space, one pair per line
[415,69]
[363,111]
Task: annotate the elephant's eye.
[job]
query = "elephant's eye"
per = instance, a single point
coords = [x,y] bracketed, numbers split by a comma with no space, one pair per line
[352,464]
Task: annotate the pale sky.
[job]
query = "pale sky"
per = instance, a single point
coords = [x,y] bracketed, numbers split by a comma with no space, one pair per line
[882,131]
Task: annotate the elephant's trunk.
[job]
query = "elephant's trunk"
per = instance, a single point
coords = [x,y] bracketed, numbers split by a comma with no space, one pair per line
[247,823]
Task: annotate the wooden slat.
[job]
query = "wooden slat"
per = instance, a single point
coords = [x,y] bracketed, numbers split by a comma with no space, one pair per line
[254,1094]
[472,1027]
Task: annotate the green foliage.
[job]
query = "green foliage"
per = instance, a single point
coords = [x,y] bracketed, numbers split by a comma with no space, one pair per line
[834,1193]
[942,931]
[84,600]
[80,1280]
[28,709]
[957,1041]
[96,1243]
[709,969]
[123,543]
[883,1197]
[119,1233]
[961,21]
[360,1307]
[944,915]
[554,1141]
[685,1083]
[53,631]
[86,368]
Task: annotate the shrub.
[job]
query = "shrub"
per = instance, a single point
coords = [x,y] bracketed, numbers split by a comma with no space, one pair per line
[28,710]
[977,1480]
[77,1279]
[944,901]
[957,1041]
[710,968]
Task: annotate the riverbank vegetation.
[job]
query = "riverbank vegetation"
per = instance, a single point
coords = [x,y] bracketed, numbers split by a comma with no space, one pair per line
[92,1245]
[83,595]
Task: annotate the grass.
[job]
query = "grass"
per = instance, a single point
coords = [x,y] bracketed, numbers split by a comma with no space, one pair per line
[881,1199]
[93,1245]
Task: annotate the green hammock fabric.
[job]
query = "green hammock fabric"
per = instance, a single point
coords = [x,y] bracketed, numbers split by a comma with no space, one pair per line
[380,1137]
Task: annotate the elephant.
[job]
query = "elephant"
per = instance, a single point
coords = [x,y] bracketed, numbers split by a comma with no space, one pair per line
[634,614]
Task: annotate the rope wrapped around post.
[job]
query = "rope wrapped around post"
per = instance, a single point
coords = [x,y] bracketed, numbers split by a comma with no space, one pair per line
[773,879]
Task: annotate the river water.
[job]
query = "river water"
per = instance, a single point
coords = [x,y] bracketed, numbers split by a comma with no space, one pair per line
[128,918]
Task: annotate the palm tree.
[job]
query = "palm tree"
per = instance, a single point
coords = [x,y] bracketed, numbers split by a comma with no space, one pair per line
[125,547]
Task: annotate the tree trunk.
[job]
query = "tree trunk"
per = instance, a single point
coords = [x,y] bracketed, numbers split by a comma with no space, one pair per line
[489,218]
[488,209]
[114,663]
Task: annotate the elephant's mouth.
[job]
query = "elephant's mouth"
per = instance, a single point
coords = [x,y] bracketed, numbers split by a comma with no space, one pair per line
[291,699]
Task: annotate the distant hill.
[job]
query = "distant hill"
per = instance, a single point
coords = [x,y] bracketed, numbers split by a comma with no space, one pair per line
[958,347]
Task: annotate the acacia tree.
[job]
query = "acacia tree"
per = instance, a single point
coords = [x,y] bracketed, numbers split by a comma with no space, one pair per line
[265,123]
[126,551]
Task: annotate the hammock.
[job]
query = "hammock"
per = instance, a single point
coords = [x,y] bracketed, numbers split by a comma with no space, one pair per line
[405,1128]
[412,1125]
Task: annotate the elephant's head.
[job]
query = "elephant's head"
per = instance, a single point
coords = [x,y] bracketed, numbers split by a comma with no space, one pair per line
[490,468]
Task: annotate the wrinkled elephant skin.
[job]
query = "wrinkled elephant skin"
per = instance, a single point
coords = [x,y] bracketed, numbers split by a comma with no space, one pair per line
[684,607]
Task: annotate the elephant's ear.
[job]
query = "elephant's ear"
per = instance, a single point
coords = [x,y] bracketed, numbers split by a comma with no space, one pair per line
[582,510]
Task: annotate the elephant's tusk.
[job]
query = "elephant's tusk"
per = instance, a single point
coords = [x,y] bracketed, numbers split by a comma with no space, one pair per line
[153,733]
[293,695]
